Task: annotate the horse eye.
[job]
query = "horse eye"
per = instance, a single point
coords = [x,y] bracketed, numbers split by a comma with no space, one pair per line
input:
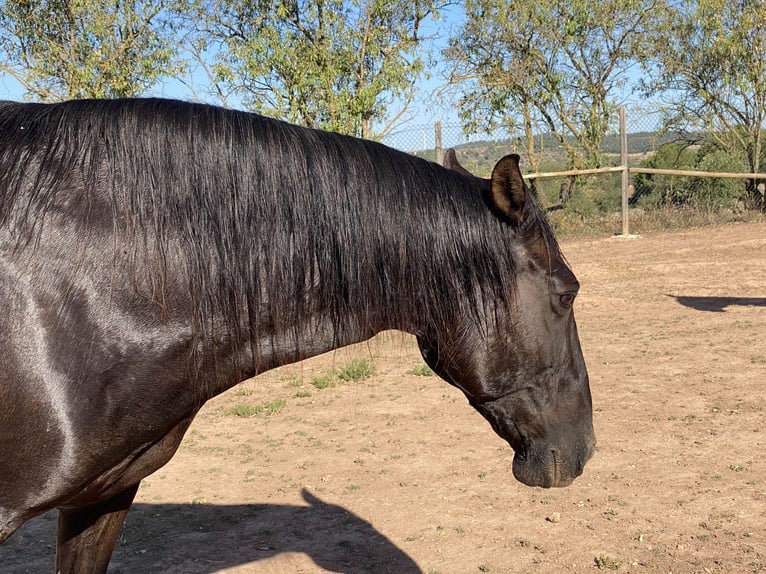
[567,299]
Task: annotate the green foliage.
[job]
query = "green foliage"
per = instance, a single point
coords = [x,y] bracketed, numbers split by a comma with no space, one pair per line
[707,58]
[422,371]
[243,410]
[717,193]
[324,381]
[606,562]
[330,64]
[86,48]
[546,68]
[653,190]
[247,410]
[592,202]
[356,370]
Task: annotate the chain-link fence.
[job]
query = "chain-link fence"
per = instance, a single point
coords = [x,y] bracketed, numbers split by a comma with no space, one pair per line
[426,140]
[422,138]
[674,169]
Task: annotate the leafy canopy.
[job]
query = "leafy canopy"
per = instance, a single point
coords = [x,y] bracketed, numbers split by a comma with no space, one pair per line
[61,49]
[552,68]
[330,64]
[707,60]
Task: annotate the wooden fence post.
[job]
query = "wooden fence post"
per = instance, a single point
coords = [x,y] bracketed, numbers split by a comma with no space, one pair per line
[438,139]
[624,165]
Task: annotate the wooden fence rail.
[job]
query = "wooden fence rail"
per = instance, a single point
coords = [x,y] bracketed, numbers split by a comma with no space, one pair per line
[623,168]
[682,172]
[626,170]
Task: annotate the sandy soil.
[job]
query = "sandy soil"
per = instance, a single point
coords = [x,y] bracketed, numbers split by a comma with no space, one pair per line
[397,474]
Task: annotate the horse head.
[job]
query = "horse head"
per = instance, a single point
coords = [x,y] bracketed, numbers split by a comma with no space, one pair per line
[521,366]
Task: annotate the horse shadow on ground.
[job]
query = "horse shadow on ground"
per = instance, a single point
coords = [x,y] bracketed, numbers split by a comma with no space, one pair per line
[206,538]
[718,304]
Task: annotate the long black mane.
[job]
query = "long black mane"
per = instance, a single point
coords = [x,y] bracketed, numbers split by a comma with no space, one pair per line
[268,223]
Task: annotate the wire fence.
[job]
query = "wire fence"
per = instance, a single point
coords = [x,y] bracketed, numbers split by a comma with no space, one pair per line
[421,140]
[645,136]
[641,167]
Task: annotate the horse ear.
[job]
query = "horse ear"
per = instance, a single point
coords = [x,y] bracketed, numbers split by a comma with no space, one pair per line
[450,162]
[509,192]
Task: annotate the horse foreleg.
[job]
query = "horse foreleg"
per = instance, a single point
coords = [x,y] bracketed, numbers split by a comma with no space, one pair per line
[86,536]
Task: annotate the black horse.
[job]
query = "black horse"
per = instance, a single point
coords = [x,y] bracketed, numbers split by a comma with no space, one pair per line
[154,253]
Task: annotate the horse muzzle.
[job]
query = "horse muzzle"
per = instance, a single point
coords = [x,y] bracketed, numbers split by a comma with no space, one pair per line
[546,454]
[549,466]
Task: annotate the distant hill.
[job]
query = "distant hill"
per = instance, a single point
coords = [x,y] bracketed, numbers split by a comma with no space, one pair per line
[479,157]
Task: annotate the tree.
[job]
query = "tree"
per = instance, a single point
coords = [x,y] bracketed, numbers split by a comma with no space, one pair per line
[693,191]
[707,59]
[330,64]
[61,49]
[653,189]
[552,68]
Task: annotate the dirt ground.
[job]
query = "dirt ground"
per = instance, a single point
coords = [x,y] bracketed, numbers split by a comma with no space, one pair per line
[397,474]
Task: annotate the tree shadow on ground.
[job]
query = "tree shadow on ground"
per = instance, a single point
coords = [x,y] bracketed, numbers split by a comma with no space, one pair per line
[718,304]
[205,538]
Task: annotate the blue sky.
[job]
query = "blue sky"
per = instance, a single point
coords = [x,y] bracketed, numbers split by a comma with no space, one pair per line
[424,111]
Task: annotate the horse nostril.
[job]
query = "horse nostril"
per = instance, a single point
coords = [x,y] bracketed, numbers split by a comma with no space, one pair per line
[556,467]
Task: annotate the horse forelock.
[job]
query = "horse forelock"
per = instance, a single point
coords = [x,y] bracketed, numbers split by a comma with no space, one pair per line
[271,225]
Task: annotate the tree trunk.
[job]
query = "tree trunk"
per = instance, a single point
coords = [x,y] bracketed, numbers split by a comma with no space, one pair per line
[567,189]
